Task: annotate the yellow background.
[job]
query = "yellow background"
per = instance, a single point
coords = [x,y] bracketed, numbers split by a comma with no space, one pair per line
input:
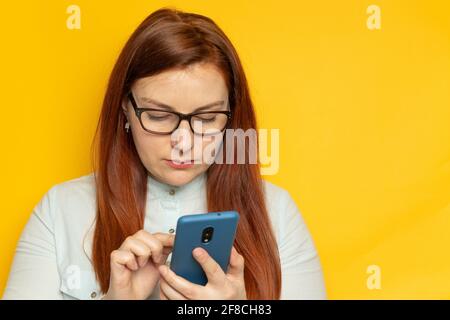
[364,119]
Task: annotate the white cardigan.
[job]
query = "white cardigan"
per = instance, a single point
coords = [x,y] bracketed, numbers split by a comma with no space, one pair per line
[53,255]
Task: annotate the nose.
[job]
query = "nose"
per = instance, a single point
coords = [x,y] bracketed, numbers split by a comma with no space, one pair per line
[182,139]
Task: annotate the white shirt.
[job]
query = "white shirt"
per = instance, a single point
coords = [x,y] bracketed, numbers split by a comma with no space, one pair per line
[53,255]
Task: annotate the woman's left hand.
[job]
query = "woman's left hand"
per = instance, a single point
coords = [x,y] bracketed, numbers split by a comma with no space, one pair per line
[220,286]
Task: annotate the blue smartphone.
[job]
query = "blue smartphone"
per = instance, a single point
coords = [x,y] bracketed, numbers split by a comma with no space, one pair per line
[214,231]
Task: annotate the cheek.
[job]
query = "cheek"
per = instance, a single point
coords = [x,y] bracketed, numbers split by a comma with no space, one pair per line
[151,148]
[211,147]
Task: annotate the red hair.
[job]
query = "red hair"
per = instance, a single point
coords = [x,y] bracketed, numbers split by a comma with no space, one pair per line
[168,39]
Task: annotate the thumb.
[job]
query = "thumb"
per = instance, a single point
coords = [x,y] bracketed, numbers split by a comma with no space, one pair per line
[236,266]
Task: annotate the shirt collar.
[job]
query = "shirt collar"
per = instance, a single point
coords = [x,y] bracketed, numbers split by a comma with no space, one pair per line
[160,190]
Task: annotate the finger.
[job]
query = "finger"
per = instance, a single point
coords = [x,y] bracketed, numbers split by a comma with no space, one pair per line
[123,259]
[183,286]
[162,296]
[213,271]
[138,248]
[169,292]
[152,242]
[236,266]
[166,239]
[159,243]
[164,258]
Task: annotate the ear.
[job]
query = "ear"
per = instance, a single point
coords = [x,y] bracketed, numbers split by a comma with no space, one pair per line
[124,106]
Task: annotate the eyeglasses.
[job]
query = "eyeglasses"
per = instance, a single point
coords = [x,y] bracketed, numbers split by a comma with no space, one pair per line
[164,122]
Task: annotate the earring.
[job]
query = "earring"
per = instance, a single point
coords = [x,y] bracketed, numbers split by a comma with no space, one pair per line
[127,127]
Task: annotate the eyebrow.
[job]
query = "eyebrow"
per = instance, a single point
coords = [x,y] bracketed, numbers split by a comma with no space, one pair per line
[167,107]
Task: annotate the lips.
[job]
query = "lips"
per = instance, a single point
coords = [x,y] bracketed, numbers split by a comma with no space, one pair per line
[180,165]
[182,161]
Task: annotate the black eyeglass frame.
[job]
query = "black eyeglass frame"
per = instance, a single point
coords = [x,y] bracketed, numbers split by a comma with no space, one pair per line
[181,116]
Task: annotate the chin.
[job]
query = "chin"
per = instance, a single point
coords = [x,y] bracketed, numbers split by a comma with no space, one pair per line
[180,177]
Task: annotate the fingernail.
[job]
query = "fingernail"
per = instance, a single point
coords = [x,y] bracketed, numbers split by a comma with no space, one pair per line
[198,252]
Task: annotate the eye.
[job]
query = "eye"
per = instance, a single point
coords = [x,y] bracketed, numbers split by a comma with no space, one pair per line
[159,118]
[158,115]
[208,117]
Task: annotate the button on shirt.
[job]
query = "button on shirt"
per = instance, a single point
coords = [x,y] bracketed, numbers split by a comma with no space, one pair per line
[53,259]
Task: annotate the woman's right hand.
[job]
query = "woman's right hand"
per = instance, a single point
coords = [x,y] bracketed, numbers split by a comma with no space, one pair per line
[134,266]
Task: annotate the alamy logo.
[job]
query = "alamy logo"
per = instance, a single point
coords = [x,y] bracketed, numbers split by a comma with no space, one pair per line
[374,278]
[72,277]
[374,18]
[233,146]
[73,21]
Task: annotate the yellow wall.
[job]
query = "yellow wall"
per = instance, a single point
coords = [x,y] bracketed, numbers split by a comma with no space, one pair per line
[364,119]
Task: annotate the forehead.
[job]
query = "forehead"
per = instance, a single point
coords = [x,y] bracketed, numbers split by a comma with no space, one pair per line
[186,88]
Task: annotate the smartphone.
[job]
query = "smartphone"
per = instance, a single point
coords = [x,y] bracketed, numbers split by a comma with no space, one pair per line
[214,231]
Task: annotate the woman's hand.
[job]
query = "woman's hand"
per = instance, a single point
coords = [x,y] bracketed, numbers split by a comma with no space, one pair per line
[134,266]
[220,286]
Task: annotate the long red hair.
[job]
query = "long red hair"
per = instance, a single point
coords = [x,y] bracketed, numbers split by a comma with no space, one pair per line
[167,39]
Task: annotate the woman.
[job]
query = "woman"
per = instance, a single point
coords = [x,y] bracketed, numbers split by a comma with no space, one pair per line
[109,234]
